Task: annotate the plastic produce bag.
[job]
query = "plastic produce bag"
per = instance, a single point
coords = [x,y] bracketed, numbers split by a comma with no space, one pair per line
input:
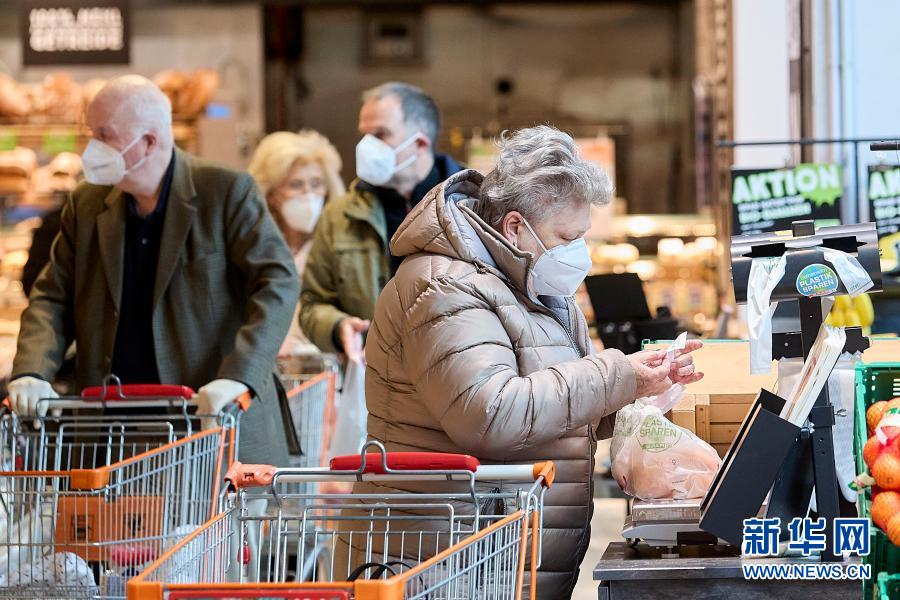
[350,425]
[62,575]
[854,277]
[654,459]
[765,273]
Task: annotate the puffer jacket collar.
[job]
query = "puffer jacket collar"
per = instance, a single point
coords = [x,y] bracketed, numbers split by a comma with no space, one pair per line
[433,226]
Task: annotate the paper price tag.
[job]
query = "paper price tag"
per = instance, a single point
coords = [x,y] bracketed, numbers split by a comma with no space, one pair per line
[676,345]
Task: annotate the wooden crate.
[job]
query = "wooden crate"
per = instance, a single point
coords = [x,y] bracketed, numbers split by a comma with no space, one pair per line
[683,414]
[718,417]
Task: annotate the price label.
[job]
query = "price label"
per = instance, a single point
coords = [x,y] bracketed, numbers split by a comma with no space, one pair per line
[55,142]
[7,141]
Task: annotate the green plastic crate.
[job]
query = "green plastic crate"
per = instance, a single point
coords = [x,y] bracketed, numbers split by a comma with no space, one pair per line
[888,586]
[875,382]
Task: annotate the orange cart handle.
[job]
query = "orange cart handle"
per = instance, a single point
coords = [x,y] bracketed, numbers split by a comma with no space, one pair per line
[244,401]
[241,476]
[546,471]
[405,461]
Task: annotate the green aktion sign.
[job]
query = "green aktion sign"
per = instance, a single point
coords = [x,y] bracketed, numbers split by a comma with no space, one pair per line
[764,200]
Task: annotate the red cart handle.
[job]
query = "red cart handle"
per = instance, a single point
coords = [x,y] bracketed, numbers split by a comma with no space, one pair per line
[138,391]
[406,461]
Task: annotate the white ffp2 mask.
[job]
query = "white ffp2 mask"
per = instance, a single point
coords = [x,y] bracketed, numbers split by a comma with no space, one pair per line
[104,165]
[561,269]
[301,213]
[376,160]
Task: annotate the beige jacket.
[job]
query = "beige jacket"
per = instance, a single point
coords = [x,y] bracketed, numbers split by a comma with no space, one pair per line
[461,359]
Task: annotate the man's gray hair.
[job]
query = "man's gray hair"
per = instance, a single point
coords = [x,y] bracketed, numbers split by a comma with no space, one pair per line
[138,104]
[539,171]
[419,109]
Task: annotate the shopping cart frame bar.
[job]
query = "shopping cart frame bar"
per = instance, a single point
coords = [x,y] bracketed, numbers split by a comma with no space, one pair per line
[363,589]
[98,478]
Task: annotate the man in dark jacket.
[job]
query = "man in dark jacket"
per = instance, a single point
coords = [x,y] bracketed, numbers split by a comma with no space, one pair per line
[166,269]
[350,261]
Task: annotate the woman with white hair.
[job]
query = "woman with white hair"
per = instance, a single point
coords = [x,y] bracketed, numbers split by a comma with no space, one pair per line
[297,173]
[478,348]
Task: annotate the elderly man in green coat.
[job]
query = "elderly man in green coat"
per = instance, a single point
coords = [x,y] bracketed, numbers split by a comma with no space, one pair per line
[167,269]
[350,261]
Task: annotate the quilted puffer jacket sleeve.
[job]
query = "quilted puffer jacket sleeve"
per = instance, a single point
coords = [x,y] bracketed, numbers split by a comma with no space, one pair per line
[462,363]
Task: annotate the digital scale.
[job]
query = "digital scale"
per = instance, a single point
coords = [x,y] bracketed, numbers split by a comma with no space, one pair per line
[669,524]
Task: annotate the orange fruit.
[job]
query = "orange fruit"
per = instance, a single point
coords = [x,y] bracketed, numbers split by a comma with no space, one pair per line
[874,414]
[892,432]
[886,471]
[893,530]
[885,506]
[872,450]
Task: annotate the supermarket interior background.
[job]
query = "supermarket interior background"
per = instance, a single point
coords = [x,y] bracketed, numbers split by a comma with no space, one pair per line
[700,111]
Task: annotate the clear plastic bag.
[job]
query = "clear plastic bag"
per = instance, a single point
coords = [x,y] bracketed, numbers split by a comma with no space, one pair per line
[654,459]
[351,424]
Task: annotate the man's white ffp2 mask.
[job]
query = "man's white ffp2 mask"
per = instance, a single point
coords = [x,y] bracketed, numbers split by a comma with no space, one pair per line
[104,165]
[376,160]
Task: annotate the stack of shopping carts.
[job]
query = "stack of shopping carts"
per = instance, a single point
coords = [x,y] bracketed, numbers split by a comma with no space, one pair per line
[103,485]
[130,502]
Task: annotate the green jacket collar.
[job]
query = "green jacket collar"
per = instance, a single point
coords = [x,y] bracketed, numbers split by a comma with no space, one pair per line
[364,206]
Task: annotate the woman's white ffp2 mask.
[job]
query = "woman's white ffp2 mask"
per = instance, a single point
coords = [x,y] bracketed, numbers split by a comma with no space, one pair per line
[301,213]
[104,165]
[376,160]
[561,269]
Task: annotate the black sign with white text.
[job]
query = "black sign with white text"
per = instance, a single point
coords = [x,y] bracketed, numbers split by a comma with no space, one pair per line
[75,32]
[764,200]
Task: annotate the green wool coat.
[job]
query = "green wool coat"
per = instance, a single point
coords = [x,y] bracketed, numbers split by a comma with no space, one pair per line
[224,294]
[347,268]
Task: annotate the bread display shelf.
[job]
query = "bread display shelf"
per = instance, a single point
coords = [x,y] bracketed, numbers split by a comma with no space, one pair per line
[52,137]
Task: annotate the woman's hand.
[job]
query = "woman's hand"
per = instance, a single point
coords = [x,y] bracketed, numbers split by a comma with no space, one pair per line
[654,373]
[651,372]
[682,369]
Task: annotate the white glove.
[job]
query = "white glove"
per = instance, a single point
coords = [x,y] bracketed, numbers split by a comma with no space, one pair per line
[216,395]
[24,394]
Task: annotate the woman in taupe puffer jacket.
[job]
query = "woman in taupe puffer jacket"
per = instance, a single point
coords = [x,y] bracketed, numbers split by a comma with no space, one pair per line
[466,356]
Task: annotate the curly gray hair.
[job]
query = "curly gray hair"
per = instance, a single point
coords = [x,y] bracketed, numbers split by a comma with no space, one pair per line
[539,172]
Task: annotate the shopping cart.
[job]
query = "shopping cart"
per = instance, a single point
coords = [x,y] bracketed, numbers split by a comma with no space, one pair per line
[311,402]
[103,485]
[439,546]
